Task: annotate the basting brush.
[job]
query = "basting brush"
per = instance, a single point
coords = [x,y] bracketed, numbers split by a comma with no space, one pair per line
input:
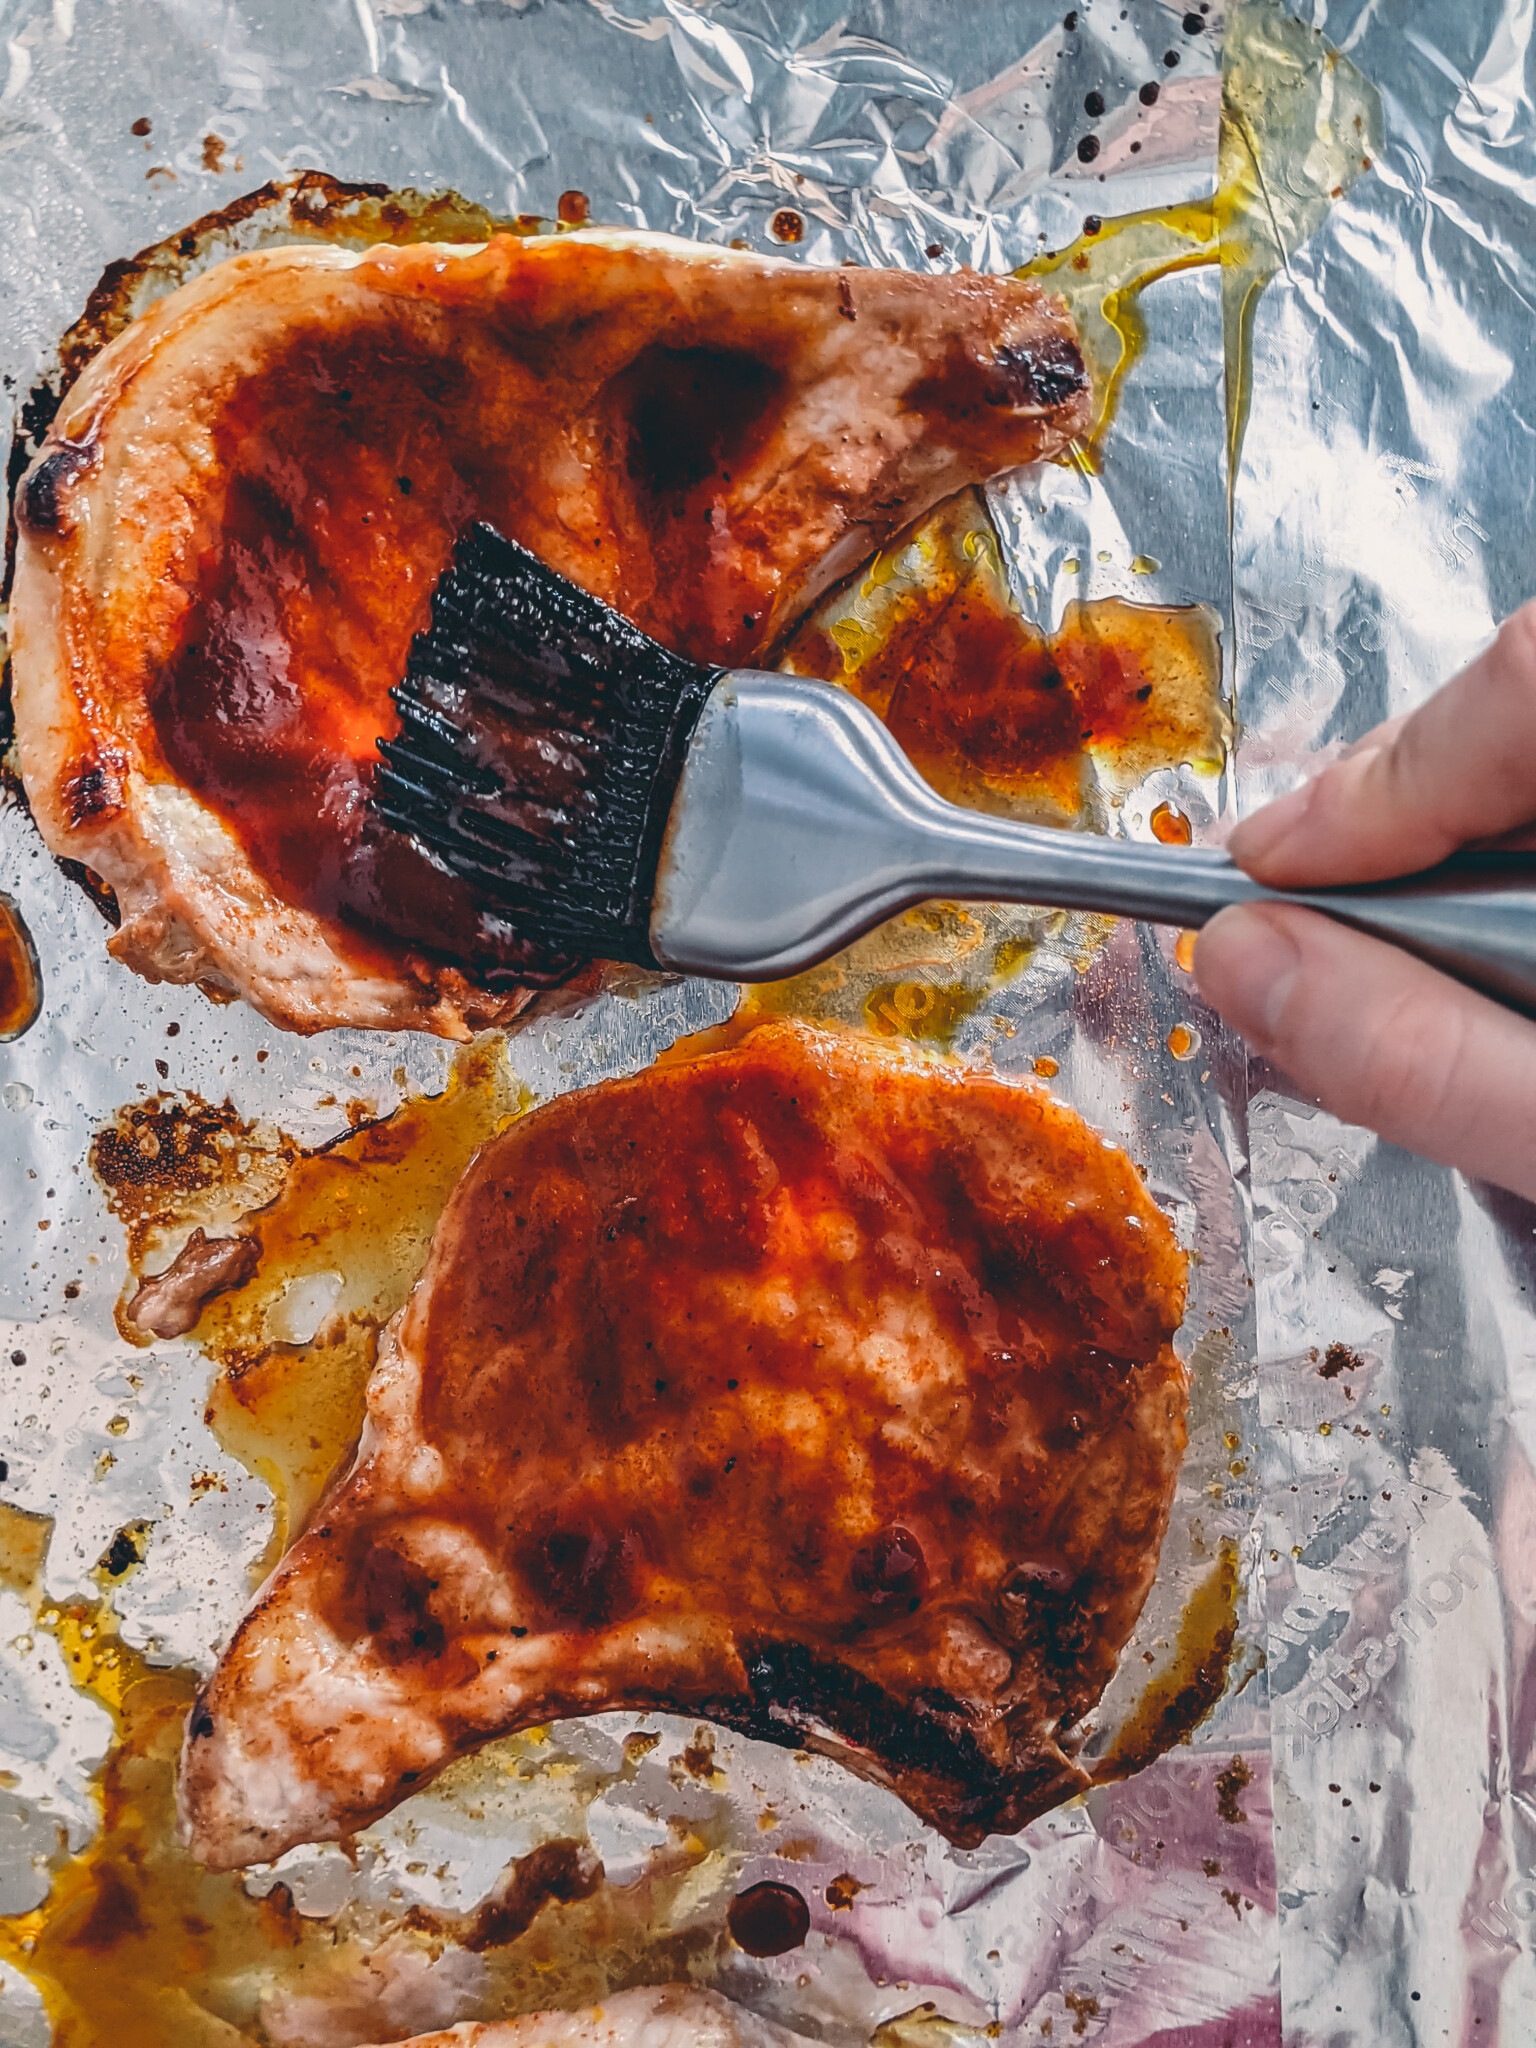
[616,801]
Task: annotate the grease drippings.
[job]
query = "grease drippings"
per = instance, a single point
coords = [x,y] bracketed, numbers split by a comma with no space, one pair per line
[137,1947]
[342,1245]
[1180,1695]
[1300,126]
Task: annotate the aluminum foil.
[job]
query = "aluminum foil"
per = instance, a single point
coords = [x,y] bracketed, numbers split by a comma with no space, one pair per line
[900,131]
[1385,517]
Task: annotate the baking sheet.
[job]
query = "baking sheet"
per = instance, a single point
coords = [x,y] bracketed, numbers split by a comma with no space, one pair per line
[1386,512]
[908,133]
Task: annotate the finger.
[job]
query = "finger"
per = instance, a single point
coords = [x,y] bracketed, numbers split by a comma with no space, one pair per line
[1460,768]
[1379,1038]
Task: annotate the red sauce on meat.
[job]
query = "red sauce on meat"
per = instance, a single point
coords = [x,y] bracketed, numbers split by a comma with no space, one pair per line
[350,473]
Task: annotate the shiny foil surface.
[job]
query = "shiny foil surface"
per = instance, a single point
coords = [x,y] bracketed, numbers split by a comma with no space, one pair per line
[924,134]
[1385,516]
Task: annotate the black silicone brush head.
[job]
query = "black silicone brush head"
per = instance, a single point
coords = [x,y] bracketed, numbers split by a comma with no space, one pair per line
[541,740]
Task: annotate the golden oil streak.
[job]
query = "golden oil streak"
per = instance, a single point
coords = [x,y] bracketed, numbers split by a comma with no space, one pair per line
[1180,1697]
[1102,277]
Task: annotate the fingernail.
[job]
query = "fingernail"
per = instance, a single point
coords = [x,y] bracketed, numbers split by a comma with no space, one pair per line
[1257,839]
[1245,966]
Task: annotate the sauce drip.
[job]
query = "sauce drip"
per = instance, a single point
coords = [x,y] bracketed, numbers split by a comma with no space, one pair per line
[21,981]
[768,1919]
[1170,826]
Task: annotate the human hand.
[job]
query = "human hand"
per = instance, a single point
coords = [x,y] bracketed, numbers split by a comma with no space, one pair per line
[1378,1037]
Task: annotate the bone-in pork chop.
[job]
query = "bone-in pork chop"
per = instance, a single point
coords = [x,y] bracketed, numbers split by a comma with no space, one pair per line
[820,1392]
[668,2016]
[237,520]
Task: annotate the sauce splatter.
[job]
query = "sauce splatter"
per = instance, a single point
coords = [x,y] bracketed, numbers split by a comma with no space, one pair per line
[787,225]
[1183,1042]
[23,1547]
[1338,1358]
[1170,826]
[842,1891]
[173,1163]
[1184,950]
[1046,1067]
[1230,1784]
[573,209]
[341,1234]
[768,1919]
[21,980]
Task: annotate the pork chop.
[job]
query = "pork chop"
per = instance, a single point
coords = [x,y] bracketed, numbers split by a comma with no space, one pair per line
[810,1388]
[237,519]
[666,2016]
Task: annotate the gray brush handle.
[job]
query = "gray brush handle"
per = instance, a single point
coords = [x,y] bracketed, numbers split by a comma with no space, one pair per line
[799,824]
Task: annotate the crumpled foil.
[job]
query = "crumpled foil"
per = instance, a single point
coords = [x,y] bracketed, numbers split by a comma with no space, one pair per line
[900,131]
[1385,517]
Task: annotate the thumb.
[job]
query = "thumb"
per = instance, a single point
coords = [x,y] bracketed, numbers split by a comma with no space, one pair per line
[1378,1037]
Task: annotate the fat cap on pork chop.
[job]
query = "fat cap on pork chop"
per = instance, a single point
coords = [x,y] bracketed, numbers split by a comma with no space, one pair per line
[237,519]
[808,1387]
[663,2016]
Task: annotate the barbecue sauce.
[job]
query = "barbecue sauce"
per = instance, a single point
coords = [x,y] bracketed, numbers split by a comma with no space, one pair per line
[348,468]
[998,713]
[347,483]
